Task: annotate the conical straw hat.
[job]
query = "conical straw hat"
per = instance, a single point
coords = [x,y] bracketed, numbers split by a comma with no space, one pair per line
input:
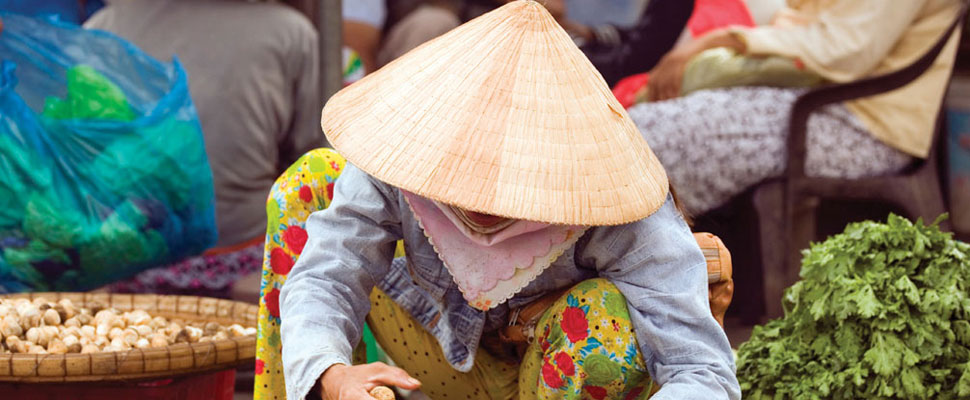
[503,115]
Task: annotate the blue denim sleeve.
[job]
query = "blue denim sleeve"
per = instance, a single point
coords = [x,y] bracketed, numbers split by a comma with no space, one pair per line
[657,265]
[325,298]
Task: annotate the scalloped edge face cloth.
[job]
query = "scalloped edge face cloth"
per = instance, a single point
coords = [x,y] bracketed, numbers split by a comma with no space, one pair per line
[490,272]
[503,115]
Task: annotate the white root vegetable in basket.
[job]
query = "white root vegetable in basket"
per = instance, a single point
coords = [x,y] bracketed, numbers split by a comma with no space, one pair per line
[15,345]
[159,323]
[115,333]
[158,340]
[102,330]
[72,322]
[236,330]
[35,349]
[131,336]
[30,317]
[10,326]
[56,346]
[72,343]
[41,335]
[69,309]
[193,333]
[70,331]
[143,330]
[211,328]
[51,317]
[39,326]
[88,332]
[137,317]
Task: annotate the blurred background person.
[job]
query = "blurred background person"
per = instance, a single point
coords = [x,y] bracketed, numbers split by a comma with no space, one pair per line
[716,143]
[363,22]
[617,42]
[253,72]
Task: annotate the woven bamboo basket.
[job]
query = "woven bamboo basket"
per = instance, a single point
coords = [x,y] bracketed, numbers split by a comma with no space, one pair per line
[138,364]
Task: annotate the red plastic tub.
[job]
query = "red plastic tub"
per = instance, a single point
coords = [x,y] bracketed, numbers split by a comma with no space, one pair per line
[217,385]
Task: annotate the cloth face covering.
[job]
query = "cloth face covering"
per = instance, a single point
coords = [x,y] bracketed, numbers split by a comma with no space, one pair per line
[488,266]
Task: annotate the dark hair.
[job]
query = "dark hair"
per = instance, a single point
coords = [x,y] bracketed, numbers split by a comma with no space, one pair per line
[680,207]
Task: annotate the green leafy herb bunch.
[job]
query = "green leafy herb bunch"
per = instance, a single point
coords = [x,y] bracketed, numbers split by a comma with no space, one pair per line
[881,312]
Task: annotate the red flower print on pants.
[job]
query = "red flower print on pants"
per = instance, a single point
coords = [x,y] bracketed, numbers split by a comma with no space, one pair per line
[565,363]
[633,393]
[306,194]
[259,366]
[596,392]
[574,324]
[281,262]
[295,237]
[272,300]
[550,376]
[330,190]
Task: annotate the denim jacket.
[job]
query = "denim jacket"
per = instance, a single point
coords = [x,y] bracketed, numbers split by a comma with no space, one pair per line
[654,262]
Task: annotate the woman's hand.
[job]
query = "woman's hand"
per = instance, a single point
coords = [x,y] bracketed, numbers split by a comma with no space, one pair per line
[342,382]
[668,76]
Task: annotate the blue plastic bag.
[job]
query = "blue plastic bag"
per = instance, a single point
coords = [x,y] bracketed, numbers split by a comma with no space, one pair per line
[103,171]
[72,11]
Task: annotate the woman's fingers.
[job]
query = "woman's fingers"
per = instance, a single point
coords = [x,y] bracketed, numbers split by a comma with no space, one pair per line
[356,394]
[384,374]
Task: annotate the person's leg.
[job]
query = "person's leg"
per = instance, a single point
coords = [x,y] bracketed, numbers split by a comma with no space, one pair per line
[840,146]
[585,348]
[714,144]
[415,350]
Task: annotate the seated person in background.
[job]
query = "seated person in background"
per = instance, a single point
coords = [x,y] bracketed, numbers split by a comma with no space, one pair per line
[253,74]
[616,52]
[620,52]
[416,22]
[716,143]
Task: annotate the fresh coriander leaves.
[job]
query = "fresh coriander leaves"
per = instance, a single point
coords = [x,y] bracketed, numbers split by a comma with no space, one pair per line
[881,312]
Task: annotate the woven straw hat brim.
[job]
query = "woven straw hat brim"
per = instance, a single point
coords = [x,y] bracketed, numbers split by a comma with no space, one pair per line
[503,115]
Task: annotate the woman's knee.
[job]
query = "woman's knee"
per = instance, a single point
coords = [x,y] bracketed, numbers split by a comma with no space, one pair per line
[586,346]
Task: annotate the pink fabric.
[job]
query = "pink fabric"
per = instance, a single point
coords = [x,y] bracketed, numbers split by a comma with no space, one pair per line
[489,269]
[715,14]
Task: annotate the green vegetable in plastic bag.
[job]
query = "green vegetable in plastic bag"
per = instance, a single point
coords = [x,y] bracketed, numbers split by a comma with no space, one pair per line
[131,164]
[19,170]
[89,96]
[103,171]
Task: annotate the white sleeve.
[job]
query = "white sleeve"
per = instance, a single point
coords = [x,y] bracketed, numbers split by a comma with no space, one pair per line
[371,12]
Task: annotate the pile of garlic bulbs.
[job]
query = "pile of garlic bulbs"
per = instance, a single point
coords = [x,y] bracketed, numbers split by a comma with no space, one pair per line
[43,327]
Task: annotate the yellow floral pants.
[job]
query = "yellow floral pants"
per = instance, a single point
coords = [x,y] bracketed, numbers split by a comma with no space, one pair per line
[584,349]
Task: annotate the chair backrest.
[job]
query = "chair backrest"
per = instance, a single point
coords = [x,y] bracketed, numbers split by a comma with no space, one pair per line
[811,101]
